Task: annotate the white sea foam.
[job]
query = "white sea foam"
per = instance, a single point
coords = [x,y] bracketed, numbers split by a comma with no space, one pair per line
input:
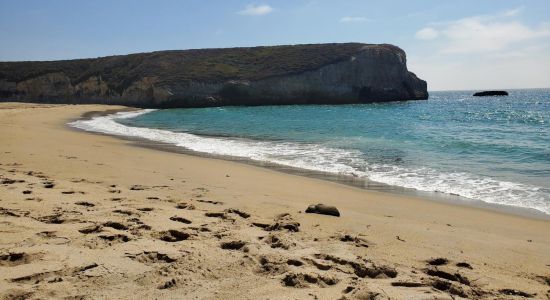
[332,160]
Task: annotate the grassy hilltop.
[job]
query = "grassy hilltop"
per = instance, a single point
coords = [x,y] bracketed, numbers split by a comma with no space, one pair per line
[211,65]
[268,75]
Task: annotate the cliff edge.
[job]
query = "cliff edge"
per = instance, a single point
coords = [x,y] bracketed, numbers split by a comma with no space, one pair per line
[298,74]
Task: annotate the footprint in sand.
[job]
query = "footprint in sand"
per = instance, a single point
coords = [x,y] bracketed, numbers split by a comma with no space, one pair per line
[168,284]
[138,187]
[282,222]
[409,284]
[123,212]
[151,257]
[47,234]
[7,181]
[115,238]
[72,192]
[48,185]
[439,261]
[512,292]
[221,215]
[468,266]
[240,213]
[51,219]
[210,202]
[279,241]
[52,276]
[9,212]
[457,277]
[233,245]
[184,205]
[115,225]
[18,258]
[173,235]
[357,241]
[180,219]
[145,209]
[361,268]
[90,229]
[17,294]
[37,199]
[304,280]
[294,262]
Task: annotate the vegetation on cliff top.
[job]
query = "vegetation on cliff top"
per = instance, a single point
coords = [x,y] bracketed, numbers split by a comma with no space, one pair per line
[208,65]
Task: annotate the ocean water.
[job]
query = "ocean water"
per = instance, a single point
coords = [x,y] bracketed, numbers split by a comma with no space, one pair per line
[490,149]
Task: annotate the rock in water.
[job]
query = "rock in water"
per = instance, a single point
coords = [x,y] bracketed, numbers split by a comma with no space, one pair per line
[323,210]
[491,93]
[297,74]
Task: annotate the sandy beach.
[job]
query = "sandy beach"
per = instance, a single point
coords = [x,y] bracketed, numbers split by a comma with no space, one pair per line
[84,216]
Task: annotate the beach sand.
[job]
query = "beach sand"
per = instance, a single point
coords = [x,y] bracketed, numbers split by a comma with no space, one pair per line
[84,215]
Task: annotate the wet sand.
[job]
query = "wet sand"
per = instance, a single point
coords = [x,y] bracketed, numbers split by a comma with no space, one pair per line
[92,216]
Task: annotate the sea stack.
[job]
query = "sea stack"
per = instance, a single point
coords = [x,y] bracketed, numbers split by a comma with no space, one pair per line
[297,74]
[491,93]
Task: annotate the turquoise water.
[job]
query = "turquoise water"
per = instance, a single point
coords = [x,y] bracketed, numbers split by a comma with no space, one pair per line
[493,149]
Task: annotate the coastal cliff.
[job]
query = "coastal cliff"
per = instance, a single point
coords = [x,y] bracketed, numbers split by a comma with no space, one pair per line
[299,74]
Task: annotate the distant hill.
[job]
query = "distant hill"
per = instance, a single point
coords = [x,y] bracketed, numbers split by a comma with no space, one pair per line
[317,73]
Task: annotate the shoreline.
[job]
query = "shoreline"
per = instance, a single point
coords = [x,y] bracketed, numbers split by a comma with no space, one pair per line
[361,183]
[91,215]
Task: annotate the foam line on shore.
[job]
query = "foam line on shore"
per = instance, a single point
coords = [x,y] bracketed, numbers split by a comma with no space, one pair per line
[321,158]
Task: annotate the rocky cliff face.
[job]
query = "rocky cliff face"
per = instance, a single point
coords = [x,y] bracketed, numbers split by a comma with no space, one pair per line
[301,74]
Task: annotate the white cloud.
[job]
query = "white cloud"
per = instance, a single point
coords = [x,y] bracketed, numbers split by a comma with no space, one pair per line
[483,34]
[513,12]
[476,35]
[353,19]
[256,10]
[497,51]
[527,69]
[427,33]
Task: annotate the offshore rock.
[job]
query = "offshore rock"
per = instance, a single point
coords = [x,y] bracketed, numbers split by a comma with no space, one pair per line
[491,93]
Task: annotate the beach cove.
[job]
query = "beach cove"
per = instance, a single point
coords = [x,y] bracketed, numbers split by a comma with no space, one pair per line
[91,215]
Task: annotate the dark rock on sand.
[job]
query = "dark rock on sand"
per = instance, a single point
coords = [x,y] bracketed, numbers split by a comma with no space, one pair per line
[491,93]
[323,210]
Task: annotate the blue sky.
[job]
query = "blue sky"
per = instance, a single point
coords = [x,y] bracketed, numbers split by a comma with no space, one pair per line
[465,44]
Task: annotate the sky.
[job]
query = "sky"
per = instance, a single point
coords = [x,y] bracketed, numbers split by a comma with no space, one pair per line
[453,45]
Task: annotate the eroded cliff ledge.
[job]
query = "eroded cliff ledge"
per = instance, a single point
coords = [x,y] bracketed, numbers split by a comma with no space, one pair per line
[299,74]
